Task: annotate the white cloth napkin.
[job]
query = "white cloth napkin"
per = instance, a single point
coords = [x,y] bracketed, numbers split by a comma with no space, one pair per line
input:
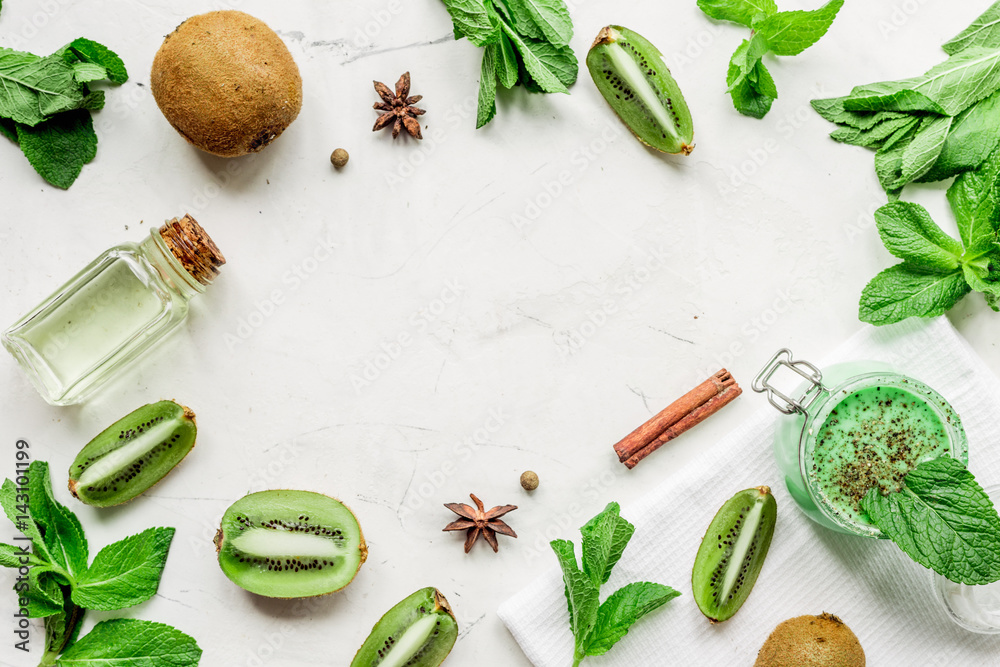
[885,598]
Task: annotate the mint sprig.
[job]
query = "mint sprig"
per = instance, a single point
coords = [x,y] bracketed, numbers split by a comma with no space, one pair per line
[45,105]
[598,626]
[526,42]
[954,108]
[943,519]
[938,270]
[61,586]
[782,33]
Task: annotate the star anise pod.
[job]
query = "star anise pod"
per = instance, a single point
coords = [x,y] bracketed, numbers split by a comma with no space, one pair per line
[397,109]
[477,520]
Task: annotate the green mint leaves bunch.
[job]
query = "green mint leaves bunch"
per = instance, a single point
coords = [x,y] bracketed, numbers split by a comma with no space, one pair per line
[938,270]
[781,33]
[933,126]
[60,586]
[598,626]
[943,520]
[45,105]
[526,42]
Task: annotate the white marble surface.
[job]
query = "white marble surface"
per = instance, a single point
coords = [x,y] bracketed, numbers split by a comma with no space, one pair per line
[483,302]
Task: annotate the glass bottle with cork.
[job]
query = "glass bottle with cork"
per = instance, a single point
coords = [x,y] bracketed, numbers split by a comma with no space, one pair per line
[113,311]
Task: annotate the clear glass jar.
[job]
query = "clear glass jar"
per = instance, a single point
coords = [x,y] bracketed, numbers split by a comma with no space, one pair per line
[816,401]
[111,312]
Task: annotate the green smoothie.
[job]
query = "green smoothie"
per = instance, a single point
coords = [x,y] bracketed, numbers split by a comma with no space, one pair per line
[873,438]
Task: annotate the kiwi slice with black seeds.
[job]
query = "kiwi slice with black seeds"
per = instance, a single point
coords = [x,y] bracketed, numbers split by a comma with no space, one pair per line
[290,544]
[132,454]
[732,553]
[420,631]
[631,75]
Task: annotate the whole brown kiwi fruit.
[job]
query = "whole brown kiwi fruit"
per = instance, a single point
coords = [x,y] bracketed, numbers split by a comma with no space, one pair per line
[811,641]
[226,82]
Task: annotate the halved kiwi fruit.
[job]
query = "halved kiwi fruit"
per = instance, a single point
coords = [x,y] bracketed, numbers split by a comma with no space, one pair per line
[132,454]
[418,632]
[732,552]
[290,544]
[631,75]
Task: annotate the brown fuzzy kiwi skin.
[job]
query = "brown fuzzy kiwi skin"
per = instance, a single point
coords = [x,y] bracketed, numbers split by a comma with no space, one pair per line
[226,82]
[811,641]
[362,547]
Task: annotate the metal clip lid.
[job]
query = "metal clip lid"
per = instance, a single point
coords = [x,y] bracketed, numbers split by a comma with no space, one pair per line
[784,403]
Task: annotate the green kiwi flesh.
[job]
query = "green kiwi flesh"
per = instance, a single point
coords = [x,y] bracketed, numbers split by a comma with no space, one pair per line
[732,553]
[631,75]
[290,544]
[132,454]
[420,631]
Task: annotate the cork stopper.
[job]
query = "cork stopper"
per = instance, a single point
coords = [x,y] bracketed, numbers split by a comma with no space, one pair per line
[193,248]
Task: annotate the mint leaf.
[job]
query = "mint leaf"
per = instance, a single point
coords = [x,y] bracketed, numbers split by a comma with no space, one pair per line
[60,528]
[32,88]
[62,629]
[909,233]
[737,11]
[88,72]
[538,70]
[89,51]
[581,595]
[874,136]
[472,20]
[981,268]
[488,86]
[125,573]
[132,643]
[604,540]
[984,31]
[550,16]
[791,33]
[44,592]
[744,59]
[620,611]
[15,506]
[970,141]
[10,556]
[889,157]
[762,81]
[506,66]
[943,520]
[947,88]
[975,202]
[749,101]
[904,291]
[59,148]
[832,109]
[925,148]
[560,61]
[520,18]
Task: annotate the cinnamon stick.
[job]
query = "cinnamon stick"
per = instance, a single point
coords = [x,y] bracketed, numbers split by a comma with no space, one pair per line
[686,412]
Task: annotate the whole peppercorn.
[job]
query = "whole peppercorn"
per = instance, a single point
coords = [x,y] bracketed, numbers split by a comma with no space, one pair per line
[339,158]
[529,480]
